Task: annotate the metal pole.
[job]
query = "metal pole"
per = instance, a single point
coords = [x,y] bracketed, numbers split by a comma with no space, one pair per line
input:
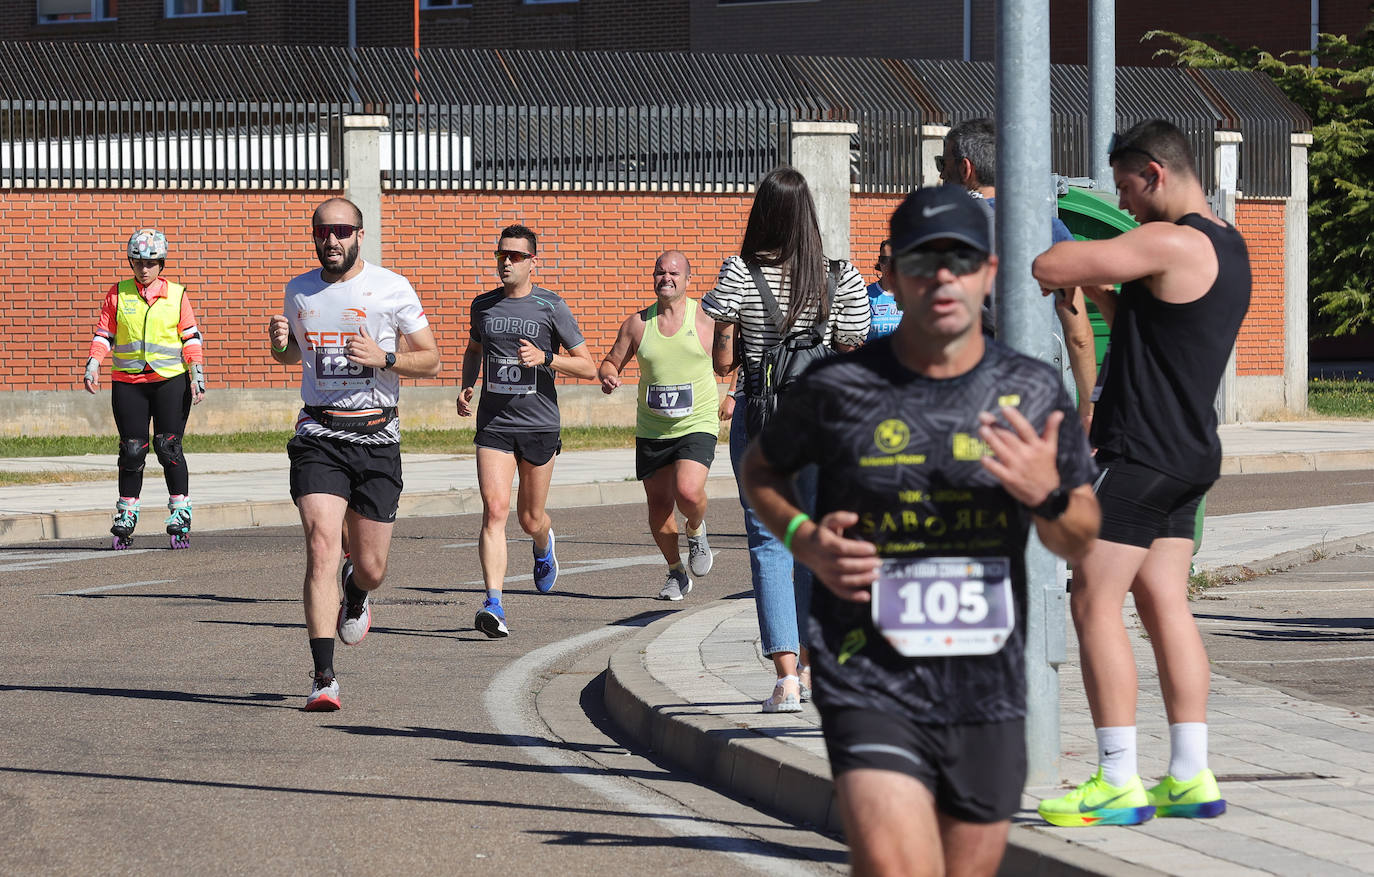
[968,29]
[353,24]
[1025,204]
[1102,88]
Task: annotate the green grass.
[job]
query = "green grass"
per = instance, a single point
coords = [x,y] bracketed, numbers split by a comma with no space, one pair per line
[417,441]
[1332,398]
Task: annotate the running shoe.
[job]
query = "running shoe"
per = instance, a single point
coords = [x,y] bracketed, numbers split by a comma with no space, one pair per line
[699,553]
[324,693]
[676,586]
[355,619]
[782,700]
[545,569]
[491,619]
[1199,798]
[1097,802]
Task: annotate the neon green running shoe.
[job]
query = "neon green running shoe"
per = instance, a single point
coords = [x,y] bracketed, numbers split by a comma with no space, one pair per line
[1199,798]
[1097,802]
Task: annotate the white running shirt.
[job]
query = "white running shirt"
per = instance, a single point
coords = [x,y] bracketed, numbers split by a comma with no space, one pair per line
[323,316]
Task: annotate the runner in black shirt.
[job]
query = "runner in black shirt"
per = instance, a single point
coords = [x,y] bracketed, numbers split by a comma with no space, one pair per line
[1186,288]
[936,449]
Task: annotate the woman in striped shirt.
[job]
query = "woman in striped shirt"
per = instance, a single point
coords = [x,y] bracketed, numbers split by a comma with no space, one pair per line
[783,240]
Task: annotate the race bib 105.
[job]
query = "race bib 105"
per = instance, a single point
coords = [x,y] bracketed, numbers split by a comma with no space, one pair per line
[944,606]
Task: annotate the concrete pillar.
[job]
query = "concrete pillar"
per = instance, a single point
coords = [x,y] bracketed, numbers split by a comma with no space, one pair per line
[363,185]
[1295,279]
[932,145]
[1227,162]
[1101,91]
[820,150]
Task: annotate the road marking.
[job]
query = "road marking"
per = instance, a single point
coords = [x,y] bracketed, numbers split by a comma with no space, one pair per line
[573,567]
[1304,660]
[1230,593]
[109,588]
[12,560]
[510,702]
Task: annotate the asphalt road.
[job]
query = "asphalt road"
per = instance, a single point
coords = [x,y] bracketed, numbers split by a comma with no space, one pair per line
[150,701]
[150,716]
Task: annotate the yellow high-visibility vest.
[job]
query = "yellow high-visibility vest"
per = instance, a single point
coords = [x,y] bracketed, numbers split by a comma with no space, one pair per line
[148,334]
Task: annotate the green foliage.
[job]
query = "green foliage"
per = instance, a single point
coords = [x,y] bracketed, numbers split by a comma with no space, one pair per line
[1333,398]
[1338,95]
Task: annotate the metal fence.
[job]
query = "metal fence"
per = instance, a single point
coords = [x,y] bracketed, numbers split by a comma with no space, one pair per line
[181,116]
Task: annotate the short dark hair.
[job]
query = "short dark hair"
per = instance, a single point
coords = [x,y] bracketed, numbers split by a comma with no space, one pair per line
[516,230]
[1153,139]
[976,140]
[886,244]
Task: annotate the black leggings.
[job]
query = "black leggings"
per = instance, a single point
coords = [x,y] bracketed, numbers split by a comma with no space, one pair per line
[168,404]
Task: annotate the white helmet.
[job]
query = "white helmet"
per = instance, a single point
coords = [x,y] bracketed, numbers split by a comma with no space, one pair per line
[148,243]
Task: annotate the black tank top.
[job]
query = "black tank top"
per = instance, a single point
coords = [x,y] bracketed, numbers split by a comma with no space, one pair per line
[1167,363]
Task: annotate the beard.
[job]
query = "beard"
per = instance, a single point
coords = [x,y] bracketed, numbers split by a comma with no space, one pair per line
[350,257]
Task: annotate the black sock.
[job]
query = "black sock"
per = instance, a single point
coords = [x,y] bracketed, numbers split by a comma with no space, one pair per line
[322,650]
[352,593]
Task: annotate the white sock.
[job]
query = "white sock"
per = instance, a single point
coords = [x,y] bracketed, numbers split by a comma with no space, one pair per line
[1116,754]
[1187,750]
[698,529]
[493,595]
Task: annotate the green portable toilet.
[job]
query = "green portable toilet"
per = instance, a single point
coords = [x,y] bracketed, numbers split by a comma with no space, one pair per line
[1092,215]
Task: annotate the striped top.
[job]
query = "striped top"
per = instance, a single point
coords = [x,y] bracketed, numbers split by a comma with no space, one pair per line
[736,300]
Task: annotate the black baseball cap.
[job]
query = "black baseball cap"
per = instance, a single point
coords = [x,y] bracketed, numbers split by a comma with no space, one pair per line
[937,212]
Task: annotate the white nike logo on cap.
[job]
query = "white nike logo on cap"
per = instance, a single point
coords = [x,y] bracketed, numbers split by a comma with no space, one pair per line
[928,212]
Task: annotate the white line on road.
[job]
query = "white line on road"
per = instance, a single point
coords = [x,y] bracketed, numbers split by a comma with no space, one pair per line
[1304,660]
[509,700]
[12,560]
[109,588]
[1297,591]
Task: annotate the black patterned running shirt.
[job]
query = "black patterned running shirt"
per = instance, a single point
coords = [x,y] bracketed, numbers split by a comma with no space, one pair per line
[902,451]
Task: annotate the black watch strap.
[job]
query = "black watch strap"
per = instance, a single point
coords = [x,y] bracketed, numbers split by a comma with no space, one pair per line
[1054,505]
[390,361]
[548,358]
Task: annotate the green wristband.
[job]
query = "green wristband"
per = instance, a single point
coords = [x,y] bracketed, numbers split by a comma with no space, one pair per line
[792,527]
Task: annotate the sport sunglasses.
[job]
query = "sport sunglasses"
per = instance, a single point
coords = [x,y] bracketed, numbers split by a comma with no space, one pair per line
[927,263]
[513,256]
[341,231]
[1116,146]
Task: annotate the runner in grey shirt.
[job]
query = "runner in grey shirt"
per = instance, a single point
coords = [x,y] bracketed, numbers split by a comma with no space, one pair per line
[516,332]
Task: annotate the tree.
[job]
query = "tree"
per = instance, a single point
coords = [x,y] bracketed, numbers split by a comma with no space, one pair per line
[1338,95]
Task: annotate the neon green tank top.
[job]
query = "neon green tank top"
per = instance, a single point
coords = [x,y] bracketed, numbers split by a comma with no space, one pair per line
[677,388]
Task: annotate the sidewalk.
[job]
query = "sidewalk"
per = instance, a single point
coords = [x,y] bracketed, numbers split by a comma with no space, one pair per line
[688,686]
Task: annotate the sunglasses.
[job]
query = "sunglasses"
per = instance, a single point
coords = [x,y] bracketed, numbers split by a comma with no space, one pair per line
[340,231]
[1115,147]
[927,263]
[513,256]
[883,262]
[940,163]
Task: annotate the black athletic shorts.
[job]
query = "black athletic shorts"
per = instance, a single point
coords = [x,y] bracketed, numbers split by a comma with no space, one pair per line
[1140,504]
[535,448]
[368,476]
[653,454]
[975,771]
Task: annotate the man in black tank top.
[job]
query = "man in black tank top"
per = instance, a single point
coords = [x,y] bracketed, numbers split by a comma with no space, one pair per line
[1185,278]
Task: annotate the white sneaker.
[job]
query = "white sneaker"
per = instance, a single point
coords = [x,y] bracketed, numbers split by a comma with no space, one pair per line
[676,586]
[699,557]
[324,694]
[354,621]
[782,700]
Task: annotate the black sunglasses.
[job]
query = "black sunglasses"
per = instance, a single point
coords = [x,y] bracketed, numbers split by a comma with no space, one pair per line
[341,231]
[927,263]
[1115,147]
[513,256]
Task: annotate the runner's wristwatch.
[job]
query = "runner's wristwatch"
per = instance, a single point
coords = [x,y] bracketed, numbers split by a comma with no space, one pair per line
[390,360]
[1054,505]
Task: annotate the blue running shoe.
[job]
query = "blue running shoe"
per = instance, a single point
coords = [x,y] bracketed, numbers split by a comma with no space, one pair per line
[546,568]
[491,619]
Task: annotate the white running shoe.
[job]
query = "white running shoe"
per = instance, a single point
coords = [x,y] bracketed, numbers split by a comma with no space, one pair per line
[354,621]
[324,694]
[782,700]
[699,553]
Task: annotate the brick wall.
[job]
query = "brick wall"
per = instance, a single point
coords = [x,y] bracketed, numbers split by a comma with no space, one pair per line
[236,250]
[1259,349]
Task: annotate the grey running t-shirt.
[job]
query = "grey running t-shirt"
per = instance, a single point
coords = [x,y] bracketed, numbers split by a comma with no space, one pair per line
[517,397]
[902,451]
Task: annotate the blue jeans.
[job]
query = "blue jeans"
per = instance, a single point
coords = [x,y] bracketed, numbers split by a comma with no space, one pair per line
[782,588]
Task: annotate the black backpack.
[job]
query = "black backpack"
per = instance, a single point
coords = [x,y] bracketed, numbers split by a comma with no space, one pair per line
[782,363]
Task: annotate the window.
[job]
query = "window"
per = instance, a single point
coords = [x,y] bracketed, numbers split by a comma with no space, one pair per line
[188,8]
[60,11]
[445,4]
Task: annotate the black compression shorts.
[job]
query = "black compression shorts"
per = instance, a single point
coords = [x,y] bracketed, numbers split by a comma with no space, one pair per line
[1140,504]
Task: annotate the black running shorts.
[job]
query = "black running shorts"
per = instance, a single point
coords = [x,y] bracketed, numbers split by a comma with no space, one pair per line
[974,771]
[1140,504]
[653,454]
[368,476]
[535,448]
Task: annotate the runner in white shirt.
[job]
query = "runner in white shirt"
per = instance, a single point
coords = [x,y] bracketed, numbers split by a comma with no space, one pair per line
[343,323]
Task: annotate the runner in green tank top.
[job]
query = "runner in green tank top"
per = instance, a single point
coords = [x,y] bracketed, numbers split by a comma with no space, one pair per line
[676,425]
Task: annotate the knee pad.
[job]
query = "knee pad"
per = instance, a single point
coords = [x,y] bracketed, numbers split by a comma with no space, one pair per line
[131,454]
[167,446]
